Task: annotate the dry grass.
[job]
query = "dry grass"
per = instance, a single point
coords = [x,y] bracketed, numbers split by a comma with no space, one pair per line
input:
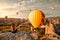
[8,28]
[5,28]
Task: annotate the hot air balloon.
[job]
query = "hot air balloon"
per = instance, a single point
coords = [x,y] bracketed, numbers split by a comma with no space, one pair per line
[36,18]
[6,17]
[17,13]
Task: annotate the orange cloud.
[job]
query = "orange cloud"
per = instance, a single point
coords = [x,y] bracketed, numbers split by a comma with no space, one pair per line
[9,9]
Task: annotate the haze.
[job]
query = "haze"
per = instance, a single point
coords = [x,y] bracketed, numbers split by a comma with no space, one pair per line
[10,8]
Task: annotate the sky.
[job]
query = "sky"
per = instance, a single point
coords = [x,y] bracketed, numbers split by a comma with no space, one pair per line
[10,8]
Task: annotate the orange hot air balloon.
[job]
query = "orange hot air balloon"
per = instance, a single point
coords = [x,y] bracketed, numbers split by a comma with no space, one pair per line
[36,18]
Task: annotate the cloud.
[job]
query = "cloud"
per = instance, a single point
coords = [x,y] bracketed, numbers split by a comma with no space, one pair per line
[24,6]
[9,1]
[44,5]
[9,9]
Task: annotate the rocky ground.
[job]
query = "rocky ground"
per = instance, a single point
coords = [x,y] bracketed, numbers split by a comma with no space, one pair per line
[25,36]
[28,36]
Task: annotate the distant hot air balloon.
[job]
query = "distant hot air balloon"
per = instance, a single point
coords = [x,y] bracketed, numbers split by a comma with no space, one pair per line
[17,13]
[6,17]
[30,10]
[36,18]
[20,3]
[52,8]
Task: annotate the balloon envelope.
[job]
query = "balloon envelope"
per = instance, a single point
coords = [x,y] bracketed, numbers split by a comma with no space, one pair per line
[6,17]
[36,17]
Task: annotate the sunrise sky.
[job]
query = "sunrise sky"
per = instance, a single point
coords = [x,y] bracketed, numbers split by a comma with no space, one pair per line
[11,7]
